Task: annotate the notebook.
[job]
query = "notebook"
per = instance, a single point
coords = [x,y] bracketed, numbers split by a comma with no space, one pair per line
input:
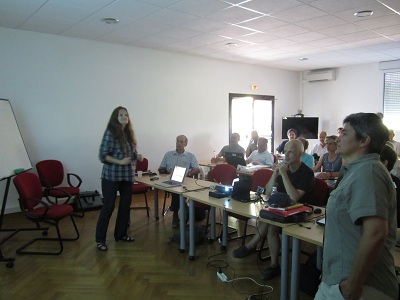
[235,158]
[176,179]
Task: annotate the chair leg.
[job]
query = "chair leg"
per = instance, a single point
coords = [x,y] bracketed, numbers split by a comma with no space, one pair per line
[82,211]
[147,208]
[59,239]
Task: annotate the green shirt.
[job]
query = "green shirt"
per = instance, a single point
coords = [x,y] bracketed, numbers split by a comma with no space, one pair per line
[366,189]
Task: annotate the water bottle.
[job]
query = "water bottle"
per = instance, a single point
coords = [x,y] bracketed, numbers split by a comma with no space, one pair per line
[274,190]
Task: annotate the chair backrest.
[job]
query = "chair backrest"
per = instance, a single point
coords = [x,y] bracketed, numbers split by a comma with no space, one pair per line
[223,173]
[321,192]
[28,187]
[261,178]
[275,158]
[51,172]
[142,165]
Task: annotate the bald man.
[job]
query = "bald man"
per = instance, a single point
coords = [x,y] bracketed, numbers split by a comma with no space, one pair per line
[294,178]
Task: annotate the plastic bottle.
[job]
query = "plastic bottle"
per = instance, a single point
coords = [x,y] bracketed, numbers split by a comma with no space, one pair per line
[274,190]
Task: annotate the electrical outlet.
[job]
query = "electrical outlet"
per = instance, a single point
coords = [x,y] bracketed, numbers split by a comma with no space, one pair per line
[222,276]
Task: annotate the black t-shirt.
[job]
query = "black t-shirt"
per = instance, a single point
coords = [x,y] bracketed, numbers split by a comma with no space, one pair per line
[302,179]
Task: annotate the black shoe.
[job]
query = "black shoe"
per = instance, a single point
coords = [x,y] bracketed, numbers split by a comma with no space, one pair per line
[241,252]
[175,220]
[270,273]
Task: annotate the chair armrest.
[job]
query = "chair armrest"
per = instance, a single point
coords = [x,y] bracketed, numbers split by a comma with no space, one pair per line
[39,201]
[69,177]
[68,195]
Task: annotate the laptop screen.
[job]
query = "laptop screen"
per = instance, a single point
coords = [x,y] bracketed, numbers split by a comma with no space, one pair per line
[178,174]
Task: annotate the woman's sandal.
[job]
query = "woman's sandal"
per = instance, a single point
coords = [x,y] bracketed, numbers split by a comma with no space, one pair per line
[102,246]
[126,238]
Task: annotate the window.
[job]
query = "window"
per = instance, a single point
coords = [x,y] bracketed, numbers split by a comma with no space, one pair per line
[252,112]
[391,100]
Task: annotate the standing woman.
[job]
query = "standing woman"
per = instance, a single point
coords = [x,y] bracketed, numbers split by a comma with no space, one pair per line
[118,154]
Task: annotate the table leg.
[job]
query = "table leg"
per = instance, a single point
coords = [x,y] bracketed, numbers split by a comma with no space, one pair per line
[224,230]
[192,246]
[156,204]
[212,223]
[294,282]
[182,222]
[284,267]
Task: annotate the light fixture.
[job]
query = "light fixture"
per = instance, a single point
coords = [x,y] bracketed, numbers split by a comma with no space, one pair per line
[364,13]
[231,44]
[303,58]
[110,20]
[254,87]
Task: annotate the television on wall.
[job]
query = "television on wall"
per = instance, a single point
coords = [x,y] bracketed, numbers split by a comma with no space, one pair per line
[306,127]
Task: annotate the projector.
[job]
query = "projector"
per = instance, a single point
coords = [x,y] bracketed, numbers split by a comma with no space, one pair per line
[220,191]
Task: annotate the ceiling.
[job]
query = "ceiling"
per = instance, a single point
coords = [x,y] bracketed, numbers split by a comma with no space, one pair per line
[274,33]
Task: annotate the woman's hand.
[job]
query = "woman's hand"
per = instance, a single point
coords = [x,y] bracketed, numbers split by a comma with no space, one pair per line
[322,175]
[125,161]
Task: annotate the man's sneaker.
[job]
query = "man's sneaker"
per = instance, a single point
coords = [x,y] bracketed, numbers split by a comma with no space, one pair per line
[175,220]
[270,273]
[241,252]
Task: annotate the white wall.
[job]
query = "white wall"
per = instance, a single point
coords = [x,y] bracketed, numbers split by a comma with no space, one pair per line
[63,91]
[356,89]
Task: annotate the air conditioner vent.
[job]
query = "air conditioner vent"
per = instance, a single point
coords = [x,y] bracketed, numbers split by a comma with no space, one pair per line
[320,75]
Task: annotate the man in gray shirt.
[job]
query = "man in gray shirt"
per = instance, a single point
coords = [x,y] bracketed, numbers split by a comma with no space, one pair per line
[233,145]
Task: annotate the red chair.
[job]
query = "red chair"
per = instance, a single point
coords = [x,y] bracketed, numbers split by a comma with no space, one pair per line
[141,188]
[275,158]
[261,178]
[51,174]
[321,192]
[35,209]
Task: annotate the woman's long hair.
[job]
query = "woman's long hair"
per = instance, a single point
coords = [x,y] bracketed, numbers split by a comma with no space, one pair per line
[122,136]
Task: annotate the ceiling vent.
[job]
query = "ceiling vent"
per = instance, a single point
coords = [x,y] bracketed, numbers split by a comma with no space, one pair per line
[320,75]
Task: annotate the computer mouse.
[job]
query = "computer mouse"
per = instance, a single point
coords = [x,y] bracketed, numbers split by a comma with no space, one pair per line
[317,211]
[184,187]
[154,178]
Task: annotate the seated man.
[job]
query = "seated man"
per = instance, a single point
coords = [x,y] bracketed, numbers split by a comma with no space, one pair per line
[261,156]
[297,180]
[320,148]
[292,134]
[232,147]
[182,158]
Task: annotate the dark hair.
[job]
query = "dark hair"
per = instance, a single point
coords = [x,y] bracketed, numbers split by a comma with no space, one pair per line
[127,135]
[332,137]
[390,155]
[292,129]
[369,125]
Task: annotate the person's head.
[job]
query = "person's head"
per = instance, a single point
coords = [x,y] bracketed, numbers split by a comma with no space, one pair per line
[254,135]
[121,126]
[362,133]
[304,142]
[322,135]
[331,143]
[292,134]
[262,144]
[293,151]
[235,138]
[339,131]
[391,135]
[181,143]
[388,157]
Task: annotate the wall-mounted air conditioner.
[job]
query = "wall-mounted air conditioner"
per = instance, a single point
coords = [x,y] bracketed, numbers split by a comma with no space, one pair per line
[320,75]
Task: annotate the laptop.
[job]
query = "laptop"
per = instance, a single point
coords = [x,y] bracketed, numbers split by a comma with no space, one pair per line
[242,191]
[235,158]
[176,179]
